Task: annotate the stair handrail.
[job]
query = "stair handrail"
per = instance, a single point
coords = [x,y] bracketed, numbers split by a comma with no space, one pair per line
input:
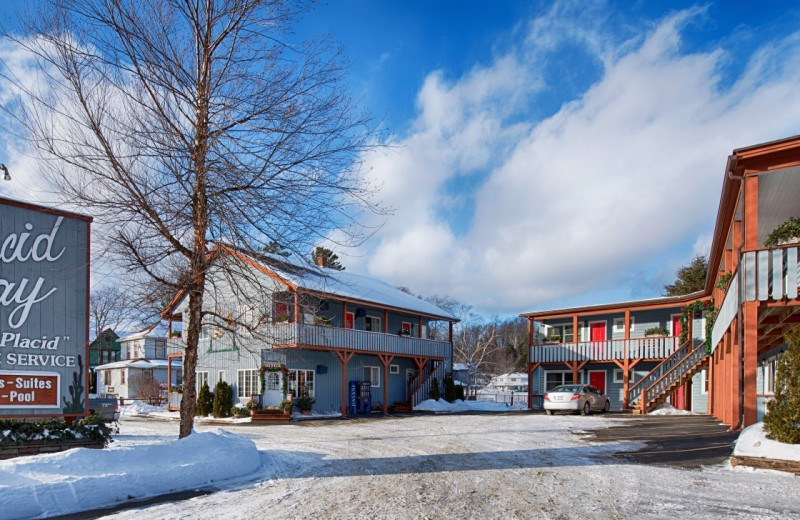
[421,393]
[660,366]
[642,403]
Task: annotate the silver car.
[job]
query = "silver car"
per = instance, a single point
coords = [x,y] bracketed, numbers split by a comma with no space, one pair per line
[576,398]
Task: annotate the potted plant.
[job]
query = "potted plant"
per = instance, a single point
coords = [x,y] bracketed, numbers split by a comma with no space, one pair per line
[323,320]
[253,406]
[304,403]
[286,406]
[786,233]
[555,338]
[656,332]
[282,318]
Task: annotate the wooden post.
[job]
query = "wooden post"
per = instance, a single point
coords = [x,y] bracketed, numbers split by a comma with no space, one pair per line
[450,333]
[385,360]
[296,307]
[344,357]
[385,321]
[750,351]
[420,326]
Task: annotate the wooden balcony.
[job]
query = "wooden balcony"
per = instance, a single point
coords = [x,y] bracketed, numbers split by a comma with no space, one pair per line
[640,348]
[298,335]
[318,336]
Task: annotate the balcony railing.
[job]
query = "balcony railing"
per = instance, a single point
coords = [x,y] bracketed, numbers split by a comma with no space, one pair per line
[640,348]
[290,334]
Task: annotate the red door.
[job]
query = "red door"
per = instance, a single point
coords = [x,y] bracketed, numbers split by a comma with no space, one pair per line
[597,331]
[676,325]
[349,319]
[598,380]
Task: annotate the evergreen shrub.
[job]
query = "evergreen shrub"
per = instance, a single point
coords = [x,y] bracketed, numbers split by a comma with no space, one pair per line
[782,420]
[205,401]
[449,389]
[460,392]
[223,400]
[435,392]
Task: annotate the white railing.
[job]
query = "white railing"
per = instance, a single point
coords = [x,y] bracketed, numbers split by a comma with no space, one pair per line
[322,336]
[639,348]
[727,311]
[771,274]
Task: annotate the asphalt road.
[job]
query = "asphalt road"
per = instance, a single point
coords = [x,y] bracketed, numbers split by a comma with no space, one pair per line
[687,441]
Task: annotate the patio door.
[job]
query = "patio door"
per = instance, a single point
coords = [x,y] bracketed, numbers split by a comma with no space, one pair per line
[676,325]
[349,320]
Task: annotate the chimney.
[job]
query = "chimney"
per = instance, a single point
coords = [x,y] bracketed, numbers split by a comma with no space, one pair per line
[322,261]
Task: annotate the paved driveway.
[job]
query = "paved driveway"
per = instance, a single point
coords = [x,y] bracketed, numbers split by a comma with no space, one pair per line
[688,441]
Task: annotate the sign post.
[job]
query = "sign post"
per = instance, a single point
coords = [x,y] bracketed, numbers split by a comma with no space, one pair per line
[44,311]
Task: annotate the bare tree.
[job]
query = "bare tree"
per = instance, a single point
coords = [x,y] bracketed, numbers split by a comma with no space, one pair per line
[182,124]
[110,308]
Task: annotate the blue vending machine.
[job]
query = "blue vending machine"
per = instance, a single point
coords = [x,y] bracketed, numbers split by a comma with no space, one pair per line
[365,397]
[352,399]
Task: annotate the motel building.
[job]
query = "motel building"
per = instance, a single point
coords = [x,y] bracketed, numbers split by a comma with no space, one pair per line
[334,336]
[713,351]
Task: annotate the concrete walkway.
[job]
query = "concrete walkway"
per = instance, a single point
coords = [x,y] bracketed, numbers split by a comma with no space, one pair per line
[687,441]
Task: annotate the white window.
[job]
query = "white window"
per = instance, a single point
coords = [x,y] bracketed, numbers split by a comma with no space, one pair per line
[248,383]
[373,375]
[619,324]
[202,378]
[161,349]
[373,324]
[301,382]
[769,376]
[394,369]
[618,376]
[273,381]
[553,379]
[564,331]
[704,381]
[221,375]
[122,376]
[107,377]
[147,376]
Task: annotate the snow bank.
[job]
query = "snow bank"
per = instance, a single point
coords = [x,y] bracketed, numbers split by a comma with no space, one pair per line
[668,409]
[753,442]
[442,406]
[139,408]
[83,479]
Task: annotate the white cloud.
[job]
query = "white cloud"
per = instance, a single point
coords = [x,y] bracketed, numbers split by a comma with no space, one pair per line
[626,174]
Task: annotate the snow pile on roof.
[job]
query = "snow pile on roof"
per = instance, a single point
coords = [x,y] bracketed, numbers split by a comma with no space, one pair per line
[442,406]
[139,408]
[140,363]
[347,284]
[753,442]
[156,330]
[668,409]
[460,366]
[84,479]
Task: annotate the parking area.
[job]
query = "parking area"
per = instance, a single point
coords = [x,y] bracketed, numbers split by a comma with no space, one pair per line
[688,441]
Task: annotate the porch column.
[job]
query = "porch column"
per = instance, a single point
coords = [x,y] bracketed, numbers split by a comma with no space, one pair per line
[385,321]
[531,369]
[385,360]
[750,349]
[450,332]
[344,358]
[296,307]
[575,335]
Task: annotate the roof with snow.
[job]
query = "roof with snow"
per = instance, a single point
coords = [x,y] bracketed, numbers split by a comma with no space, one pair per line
[138,363]
[342,284]
[156,330]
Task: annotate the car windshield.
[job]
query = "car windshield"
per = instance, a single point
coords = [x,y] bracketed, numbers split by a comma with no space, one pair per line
[567,388]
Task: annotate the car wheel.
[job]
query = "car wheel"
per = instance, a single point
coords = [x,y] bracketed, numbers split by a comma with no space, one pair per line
[549,412]
[586,408]
[607,407]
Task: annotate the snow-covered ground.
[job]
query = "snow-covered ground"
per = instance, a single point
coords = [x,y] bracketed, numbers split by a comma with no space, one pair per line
[434,466]
[753,442]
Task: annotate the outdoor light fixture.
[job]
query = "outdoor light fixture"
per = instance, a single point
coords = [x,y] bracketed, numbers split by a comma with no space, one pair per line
[6,175]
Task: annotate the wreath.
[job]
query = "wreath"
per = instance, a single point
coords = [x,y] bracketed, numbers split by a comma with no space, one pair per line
[262,378]
[711,314]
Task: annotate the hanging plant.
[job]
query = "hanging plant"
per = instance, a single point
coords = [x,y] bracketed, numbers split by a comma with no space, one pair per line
[711,314]
[262,377]
[724,281]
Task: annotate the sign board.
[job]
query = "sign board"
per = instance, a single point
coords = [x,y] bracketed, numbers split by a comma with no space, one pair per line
[44,311]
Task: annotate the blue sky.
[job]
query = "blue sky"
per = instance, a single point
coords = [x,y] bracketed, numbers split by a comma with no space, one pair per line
[549,154]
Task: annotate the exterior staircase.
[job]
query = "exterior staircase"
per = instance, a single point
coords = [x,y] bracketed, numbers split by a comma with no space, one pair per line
[419,393]
[653,389]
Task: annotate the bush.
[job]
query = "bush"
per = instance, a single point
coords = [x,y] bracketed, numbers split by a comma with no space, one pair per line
[223,400]
[782,420]
[93,427]
[656,331]
[460,392]
[784,233]
[205,401]
[435,392]
[240,411]
[449,389]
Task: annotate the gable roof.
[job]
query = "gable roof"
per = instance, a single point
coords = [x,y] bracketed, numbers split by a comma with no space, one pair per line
[344,285]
